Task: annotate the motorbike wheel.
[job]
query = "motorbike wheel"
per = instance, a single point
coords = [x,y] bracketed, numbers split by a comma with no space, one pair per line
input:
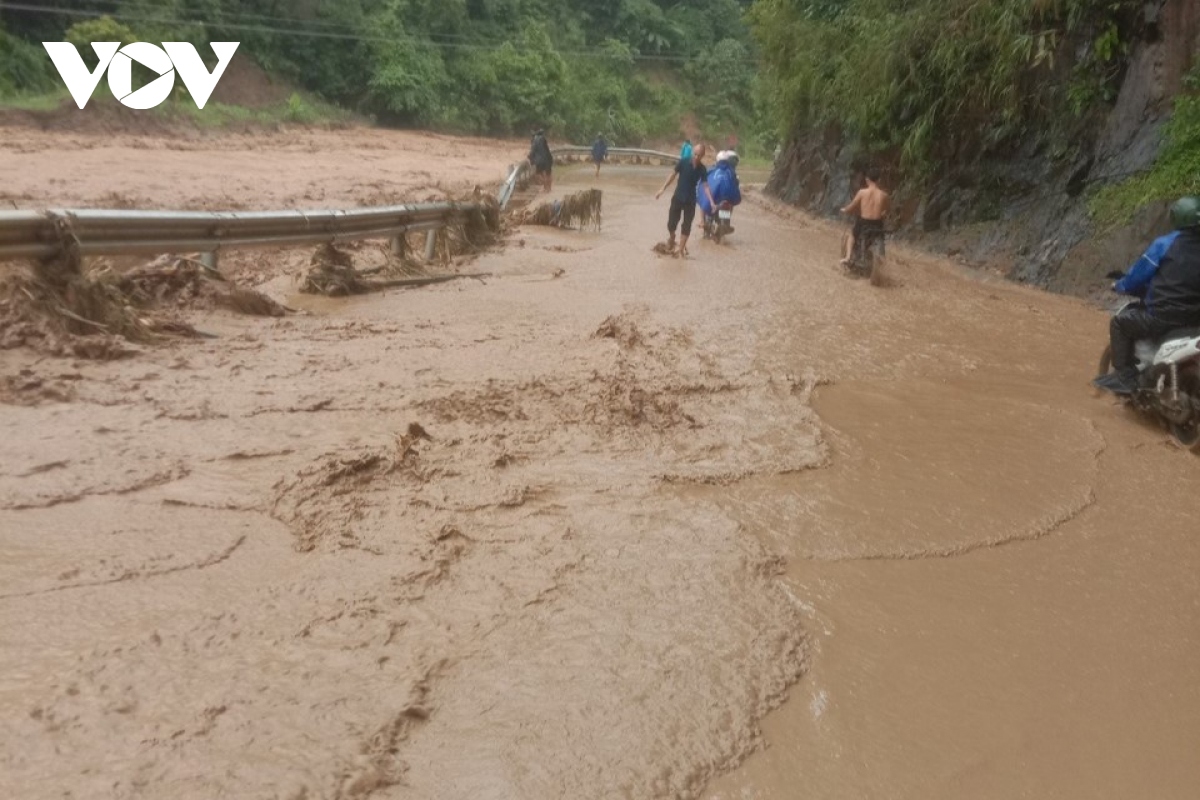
[718,232]
[854,269]
[876,276]
[847,269]
[1105,361]
[1186,436]
[864,260]
[871,261]
[1186,433]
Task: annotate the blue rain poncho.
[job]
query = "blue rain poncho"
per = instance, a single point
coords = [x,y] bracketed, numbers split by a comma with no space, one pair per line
[723,183]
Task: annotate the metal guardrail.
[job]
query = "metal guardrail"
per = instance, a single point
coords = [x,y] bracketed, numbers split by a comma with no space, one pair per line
[519,173]
[28,234]
[635,153]
[37,234]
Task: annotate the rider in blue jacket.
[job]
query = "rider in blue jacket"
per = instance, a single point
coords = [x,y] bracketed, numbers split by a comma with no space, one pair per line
[722,183]
[1168,277]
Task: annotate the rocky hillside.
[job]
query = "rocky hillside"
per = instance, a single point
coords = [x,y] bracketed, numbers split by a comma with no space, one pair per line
[1024,207]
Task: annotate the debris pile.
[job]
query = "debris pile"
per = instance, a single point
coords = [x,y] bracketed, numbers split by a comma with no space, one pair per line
[333,275]
[580,210]
[333,272]
[57,307]
[185,283]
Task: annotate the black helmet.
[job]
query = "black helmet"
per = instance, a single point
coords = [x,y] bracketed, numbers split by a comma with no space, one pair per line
[1185,213]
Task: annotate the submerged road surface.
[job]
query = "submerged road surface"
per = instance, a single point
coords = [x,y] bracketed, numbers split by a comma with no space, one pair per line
[606,525]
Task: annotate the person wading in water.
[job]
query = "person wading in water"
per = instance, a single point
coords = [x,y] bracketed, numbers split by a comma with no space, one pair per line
[599,152]
[541,159]
[691,173]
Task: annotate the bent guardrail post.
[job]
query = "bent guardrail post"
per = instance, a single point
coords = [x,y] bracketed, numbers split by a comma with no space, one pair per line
[430,244]
[508,187]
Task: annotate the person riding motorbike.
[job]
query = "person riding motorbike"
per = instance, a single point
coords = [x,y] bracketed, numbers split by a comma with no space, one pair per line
[724,186]
[1168,277]
[869,207]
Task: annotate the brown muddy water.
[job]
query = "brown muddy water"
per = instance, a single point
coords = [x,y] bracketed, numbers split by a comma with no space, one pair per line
[729,527]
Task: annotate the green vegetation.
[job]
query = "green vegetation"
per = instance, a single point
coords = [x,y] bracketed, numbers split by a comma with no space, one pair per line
[936,82]
[24,69]
[297,109]
[633,69]
[45,101]
[1176,173]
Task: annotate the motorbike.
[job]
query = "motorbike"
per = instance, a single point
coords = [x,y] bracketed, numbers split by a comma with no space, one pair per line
[720,224]
[1168,384]
[865,256]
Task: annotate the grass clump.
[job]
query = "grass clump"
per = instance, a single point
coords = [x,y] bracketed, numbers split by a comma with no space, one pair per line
[1176,172]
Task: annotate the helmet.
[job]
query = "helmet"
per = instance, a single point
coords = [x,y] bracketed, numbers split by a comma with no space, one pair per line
[1185,213]
[723,155]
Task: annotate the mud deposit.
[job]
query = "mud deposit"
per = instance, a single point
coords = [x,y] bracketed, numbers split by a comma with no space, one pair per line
[600,525]
[296,169]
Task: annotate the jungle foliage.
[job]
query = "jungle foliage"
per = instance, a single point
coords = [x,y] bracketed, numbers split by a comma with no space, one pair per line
[936,82]
[630,68]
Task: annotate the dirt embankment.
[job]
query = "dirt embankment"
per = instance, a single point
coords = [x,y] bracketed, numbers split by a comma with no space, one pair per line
[1025,213]
[244,85]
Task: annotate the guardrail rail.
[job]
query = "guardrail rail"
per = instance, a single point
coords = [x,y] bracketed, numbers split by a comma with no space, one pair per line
[46,234]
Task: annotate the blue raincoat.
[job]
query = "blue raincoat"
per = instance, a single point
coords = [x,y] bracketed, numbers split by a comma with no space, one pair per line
[723,183]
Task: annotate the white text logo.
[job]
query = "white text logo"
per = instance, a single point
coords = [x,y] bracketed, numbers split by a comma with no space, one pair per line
[163,61]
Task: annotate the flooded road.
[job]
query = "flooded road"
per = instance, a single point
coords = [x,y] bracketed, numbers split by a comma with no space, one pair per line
[729,527]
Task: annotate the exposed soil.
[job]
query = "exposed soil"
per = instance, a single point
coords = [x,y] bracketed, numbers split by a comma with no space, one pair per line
[300,168]
[247,85]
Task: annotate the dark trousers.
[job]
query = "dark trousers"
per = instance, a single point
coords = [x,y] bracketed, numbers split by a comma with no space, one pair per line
[1125,330]
[681,208]
[869,231]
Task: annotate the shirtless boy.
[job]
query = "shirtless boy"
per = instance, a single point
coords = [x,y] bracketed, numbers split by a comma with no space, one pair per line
[870,207]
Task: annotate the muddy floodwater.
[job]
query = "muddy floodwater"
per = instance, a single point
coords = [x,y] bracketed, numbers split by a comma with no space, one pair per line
[600,525]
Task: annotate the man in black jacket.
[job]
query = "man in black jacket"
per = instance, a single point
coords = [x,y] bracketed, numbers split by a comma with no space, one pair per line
[541,159]
[1168,277]
[690,172]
